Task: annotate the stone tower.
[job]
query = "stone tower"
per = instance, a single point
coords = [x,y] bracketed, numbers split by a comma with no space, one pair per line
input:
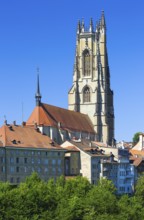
[91,93]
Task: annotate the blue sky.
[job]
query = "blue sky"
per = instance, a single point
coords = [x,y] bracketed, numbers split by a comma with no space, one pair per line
[43,33]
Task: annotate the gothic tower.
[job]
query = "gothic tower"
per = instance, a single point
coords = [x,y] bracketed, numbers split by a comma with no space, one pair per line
[91,93]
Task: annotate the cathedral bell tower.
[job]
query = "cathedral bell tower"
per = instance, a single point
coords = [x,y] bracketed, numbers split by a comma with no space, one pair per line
[91,93]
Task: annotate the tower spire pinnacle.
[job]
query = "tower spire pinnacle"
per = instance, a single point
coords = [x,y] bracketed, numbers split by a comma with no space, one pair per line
[91,25]
[82,26]
[78,27]
[103,24]
[38,95]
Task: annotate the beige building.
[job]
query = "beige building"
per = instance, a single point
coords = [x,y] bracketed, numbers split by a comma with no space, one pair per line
[91,93]
[24,150]
[72,160]
[89,159]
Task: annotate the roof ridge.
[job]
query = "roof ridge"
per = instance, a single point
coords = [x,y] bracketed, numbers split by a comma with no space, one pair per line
[64,109]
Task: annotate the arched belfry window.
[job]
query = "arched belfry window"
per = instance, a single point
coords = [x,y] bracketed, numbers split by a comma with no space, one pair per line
[86,63]
[86,94]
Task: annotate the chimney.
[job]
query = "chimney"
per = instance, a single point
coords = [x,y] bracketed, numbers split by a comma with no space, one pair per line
[141,141]
[14,123]
[35,126]
[59,124]
[5,122]
[23,123]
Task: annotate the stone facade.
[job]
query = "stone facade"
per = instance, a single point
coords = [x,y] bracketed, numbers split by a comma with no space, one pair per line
[91,93]
[25,150]
[18,163]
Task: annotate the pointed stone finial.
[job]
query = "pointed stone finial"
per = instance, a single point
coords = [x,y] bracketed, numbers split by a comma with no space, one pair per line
[82,26]
[78,27]
[103,24]
[91,25]
[38,95]
[97,26]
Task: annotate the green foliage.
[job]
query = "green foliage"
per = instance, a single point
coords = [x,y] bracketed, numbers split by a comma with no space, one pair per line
[72,199]
[136,138]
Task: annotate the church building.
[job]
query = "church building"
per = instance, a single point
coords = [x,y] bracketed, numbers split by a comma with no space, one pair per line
[90,113]
[58,123]
[91,93]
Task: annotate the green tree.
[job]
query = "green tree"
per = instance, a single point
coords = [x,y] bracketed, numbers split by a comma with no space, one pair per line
[72,194]
[140,189]
[101,199]
[130,208]
[136,138]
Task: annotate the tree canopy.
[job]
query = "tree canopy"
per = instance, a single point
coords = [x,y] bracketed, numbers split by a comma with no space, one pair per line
[72,199]
[136,138]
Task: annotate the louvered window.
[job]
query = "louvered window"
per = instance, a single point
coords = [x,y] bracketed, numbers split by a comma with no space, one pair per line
[86,95]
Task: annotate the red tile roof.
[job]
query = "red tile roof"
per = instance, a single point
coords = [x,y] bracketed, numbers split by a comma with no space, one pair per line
[18,136]
[71,148]
[137,161]
[49,115]
[139,153]
[100,144]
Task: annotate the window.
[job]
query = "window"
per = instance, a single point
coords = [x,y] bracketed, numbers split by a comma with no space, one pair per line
[2,151]
[94,166]
[59,153]
[2,159]
[59,170]
[17,151]
[25,160]
[25,169]
[26,152]
[17,160]
[59,161]
[17,169]
[18,179]
[32,160]
[3,169]
[39,160]
[11,160]
[11,179]
[45,169]
[12,152]
[86,94]
[94,174]
[54,170]
[93,182]
[53,161]
[122,188]
[12,169]
[39,169]
[53,154]
[39,153]
[45,161]
[86,63]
